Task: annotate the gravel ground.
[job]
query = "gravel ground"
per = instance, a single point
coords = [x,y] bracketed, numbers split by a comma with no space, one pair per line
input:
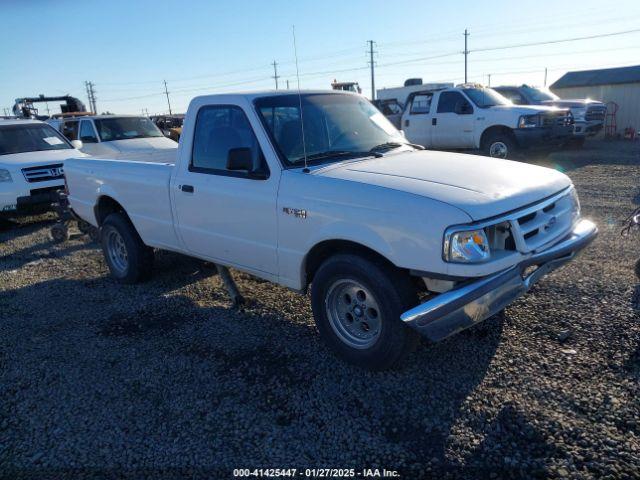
[165,380]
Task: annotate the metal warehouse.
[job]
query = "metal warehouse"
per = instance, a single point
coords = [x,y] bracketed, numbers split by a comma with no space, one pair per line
[619,85]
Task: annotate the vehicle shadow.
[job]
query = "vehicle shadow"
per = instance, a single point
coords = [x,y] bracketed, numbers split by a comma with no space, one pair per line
[171,355]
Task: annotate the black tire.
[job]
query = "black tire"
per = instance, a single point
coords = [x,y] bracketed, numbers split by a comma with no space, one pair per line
[59,233]
[139,258]
[394,293]
[495,143]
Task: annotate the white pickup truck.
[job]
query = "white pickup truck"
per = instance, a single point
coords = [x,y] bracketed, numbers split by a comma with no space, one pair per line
[392,239]
[476,117]
[32,155]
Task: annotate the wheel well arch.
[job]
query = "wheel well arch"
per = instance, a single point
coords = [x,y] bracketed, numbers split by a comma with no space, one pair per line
[105,206]
[325,249]
[502,129]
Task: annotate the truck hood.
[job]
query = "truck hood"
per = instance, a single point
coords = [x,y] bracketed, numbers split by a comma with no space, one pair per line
[142,144]
[30,159]
[578,103]
[482,187]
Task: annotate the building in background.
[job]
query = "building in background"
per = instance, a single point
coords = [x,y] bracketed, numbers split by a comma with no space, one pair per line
[620,85]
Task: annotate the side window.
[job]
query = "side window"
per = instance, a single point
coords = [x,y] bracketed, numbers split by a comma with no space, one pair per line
[70,130]
[452,102]
[421,103]
[220,129]
[87,134]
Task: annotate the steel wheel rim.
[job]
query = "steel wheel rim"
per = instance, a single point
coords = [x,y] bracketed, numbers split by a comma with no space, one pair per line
[117,251]
[498,150]
[353,313]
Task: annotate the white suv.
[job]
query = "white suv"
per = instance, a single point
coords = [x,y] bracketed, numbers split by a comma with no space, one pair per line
[32,156]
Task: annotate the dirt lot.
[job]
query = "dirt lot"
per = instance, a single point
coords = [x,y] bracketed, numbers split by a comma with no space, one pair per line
[165,380]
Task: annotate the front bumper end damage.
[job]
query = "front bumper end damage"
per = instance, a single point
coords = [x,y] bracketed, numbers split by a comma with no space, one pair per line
[473,302]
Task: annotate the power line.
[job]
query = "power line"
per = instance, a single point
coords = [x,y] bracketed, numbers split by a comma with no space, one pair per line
[562,40]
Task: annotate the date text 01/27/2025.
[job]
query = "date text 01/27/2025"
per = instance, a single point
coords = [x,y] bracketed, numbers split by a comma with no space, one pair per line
[316,473]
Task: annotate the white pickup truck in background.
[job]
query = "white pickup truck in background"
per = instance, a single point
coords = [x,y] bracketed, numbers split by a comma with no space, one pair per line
[119,136]
[392,239]
[471,117]
[32,155]
[588,115]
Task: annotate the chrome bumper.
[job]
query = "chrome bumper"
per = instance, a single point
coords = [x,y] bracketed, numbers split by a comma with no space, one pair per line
[457,309]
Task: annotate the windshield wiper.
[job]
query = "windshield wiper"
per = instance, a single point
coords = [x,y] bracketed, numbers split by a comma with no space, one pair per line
[390,145]
[338,154]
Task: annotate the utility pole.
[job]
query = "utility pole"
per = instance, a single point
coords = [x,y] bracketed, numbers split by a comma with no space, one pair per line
[86,85]
[93,98]
[166,92]
[489,80]
[287,84]
[545,77]
[275,73]
[372,64]
[466,53]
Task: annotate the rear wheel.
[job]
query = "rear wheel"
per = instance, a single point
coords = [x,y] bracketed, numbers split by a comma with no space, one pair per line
[128,258]
[500,145]
[357,303]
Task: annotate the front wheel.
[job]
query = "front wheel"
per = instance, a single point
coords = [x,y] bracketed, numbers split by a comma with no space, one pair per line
[500,145]
[357,303]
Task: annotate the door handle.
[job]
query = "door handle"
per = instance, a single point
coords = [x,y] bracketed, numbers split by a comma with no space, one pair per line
[434,121]
[406,123]
[187,188]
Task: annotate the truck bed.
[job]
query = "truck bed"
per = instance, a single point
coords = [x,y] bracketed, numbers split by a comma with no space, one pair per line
[142,186]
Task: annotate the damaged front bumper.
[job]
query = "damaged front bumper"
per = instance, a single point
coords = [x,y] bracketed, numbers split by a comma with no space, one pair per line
[473,302]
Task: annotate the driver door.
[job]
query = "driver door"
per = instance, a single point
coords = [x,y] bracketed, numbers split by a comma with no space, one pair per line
[454,121]
[416,121]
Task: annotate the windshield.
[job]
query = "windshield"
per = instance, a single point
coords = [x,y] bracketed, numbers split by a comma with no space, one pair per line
[539,95]
[486,97]
[30,137]
[124,128]
[333,124]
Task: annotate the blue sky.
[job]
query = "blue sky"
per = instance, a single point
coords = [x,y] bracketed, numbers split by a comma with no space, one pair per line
[127,48]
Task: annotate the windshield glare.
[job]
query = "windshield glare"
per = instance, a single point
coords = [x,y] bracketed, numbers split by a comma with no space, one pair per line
[332,123]
[539,95]
[124,128]
[30,138]
[486,97]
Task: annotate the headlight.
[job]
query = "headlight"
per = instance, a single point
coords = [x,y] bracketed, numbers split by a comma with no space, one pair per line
[468,246]
[529,121]
[5,176]
[575,204]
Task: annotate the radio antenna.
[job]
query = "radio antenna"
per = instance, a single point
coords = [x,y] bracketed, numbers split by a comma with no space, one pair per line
[304,144]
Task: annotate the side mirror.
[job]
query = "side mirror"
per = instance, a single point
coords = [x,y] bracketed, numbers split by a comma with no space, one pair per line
[240,159]
[77,144]
[463,108]
[88,139]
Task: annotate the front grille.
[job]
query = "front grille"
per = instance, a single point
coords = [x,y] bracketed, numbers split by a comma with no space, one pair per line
[44,173]
[595,113]
[545,222]
[560,119]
